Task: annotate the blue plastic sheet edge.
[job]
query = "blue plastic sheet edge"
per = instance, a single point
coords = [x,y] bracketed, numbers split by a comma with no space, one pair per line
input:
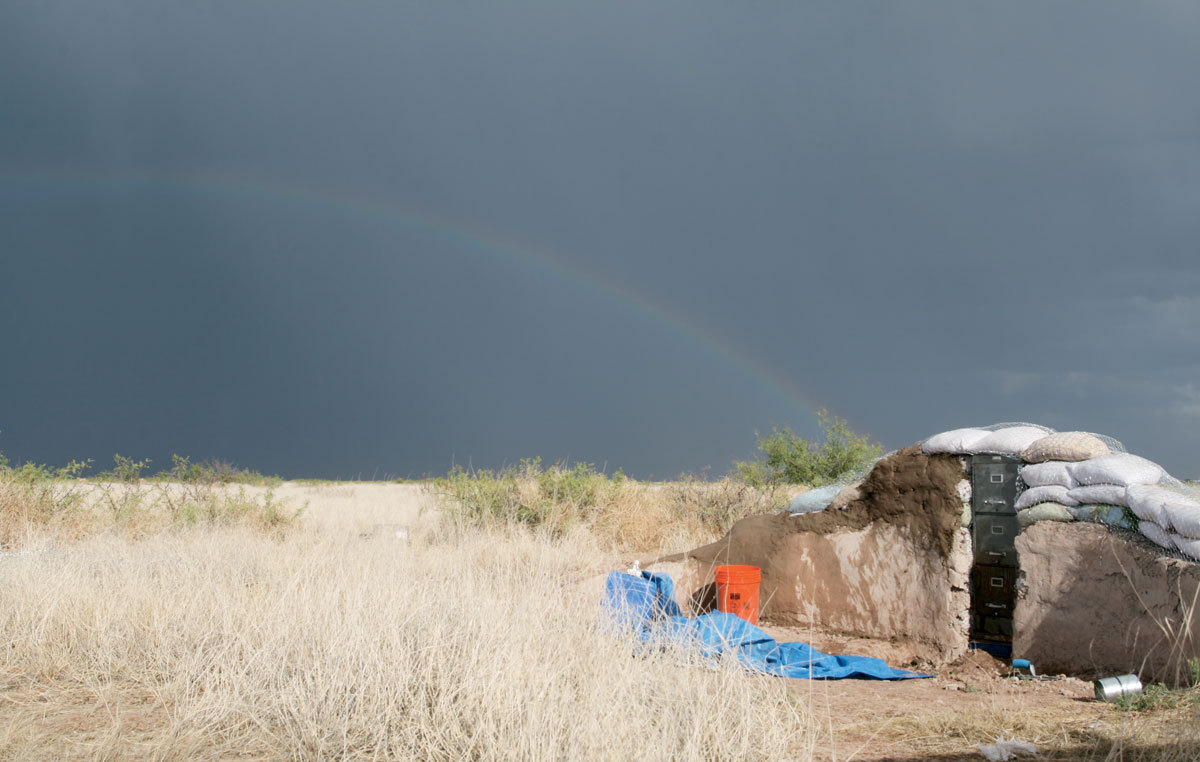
[646,605]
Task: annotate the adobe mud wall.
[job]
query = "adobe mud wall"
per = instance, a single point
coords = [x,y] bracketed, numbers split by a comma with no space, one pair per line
[892,564]
[1096,602]
[882,582]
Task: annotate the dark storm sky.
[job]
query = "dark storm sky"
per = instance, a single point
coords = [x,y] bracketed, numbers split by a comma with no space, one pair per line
[921,215]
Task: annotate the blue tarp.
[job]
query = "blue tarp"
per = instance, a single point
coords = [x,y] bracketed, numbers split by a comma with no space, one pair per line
[646,604]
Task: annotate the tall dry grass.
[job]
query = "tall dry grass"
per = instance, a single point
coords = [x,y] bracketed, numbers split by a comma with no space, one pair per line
[227,644]
[621,512]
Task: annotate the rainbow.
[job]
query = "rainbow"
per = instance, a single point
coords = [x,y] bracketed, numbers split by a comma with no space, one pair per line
[438,227]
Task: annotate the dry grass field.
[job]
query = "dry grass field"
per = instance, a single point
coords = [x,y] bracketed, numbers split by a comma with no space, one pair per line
[253,635]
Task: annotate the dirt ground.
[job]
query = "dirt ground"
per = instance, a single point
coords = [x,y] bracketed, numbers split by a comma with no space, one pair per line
[972,701]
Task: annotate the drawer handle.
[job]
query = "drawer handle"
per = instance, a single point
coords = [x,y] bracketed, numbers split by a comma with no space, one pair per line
[996,606]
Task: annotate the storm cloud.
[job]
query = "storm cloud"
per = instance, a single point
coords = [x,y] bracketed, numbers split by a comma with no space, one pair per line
[377,238]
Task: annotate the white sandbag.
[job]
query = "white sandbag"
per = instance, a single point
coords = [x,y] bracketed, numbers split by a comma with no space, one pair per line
[1044,512]
[1118,468]
[1065,445]
[1010,441]
[1156,534]
[1184,515]
[1148,502]
[1054,493]
[1099,494]
[814,500]
[1189,546]
[1049,474]
[957,441]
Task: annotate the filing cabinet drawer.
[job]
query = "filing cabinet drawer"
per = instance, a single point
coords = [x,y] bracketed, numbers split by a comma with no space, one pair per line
[993,483]
[994,588]
[994,536]
[991,627]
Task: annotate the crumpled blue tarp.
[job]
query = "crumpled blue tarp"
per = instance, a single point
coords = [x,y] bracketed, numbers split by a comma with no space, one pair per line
[647,605]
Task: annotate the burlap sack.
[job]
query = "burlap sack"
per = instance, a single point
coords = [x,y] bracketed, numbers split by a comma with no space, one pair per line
[1065,445]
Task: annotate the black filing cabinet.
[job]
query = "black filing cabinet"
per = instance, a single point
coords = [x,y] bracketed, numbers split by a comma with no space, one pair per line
[994,529]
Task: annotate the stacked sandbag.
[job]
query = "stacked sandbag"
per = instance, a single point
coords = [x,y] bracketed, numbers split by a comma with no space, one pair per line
[1049,484]
[1050,493]
[1002,439]
[1061,488]
[1044,512]
[955,442]
[1104,484]
[1011,440]
[1167,517]
[1076,476]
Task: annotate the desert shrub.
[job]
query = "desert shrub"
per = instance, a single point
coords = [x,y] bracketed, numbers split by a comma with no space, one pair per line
[35,495]
[214,472]
[551,499]
[621,512]
[58,503]
[790,459]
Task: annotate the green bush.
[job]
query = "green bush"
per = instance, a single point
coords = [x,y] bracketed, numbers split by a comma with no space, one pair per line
[790,459]
[553,498]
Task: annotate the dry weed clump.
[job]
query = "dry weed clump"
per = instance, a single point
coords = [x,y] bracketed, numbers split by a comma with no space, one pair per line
[45,506]
[223,643]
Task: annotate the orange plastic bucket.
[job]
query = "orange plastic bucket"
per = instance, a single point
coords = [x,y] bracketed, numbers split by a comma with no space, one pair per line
[737,591]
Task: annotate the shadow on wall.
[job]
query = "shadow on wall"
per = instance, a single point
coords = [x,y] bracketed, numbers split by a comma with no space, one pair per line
[1098,602]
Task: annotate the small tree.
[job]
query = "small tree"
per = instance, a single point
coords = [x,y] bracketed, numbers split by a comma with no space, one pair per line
[790,459]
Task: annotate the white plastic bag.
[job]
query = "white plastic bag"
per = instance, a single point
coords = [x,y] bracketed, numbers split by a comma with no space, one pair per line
[1010,441]
[1118,468]
[1054,493]
[1156,534]
[1006,749]
[957,441]
[1099,494]
[1049,474]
